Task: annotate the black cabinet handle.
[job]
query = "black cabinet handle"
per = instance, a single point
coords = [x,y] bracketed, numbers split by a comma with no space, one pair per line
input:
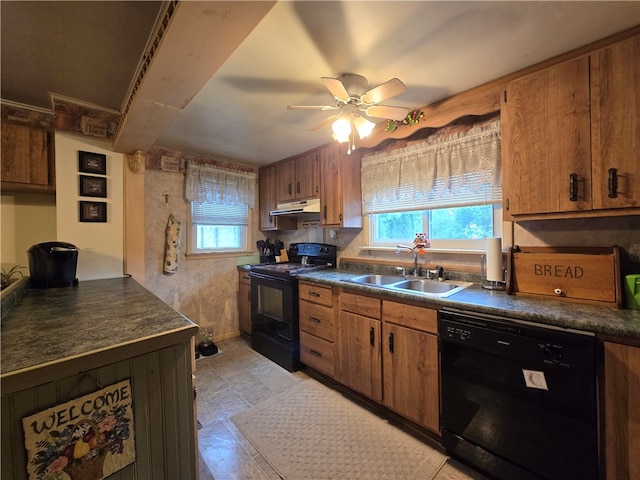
[314,294]
[613,182]
[315,320]
[324,212]
[298,186]
[372,336]
[391,342]
[573,187]
[289,188]
[315,352]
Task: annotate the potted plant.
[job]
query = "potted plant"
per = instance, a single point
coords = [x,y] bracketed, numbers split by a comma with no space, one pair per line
[8,277]
[207,347]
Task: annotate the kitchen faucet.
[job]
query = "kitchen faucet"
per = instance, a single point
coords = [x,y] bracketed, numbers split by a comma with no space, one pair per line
[415,257]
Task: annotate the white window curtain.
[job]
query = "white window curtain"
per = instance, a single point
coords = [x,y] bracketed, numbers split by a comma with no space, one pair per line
[439,171]
[219,186]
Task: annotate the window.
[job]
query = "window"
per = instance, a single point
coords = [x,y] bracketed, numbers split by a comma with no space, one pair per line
[447,186]
[221,203]
[219,228]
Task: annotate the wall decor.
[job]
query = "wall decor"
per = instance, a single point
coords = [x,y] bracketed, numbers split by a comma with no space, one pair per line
[88,438]
[93,211]
[93,186]
[89,162]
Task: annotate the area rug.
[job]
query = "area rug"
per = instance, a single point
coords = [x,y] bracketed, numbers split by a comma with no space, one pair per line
[313,433]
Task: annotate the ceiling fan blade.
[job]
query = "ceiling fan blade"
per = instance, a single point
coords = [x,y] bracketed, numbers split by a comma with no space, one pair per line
[336,88]
[312,107]
[387,111]
[326,121]
[388,89]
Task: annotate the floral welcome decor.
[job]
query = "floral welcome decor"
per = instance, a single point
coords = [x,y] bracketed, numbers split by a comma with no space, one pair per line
[88,438]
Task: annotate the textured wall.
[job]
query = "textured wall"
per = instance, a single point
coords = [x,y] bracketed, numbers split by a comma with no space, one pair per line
[203,289]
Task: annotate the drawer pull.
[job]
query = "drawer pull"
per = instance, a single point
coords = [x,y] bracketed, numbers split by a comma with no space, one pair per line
[391,342]
[315,352]
[558,291]
[372,336]
[315,320]
[314,294]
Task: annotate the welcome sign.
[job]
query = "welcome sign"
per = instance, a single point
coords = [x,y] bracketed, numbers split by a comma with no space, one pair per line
[88,438]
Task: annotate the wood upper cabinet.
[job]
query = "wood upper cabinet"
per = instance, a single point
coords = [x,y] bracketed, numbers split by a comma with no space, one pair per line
[244,301]
[340,187]
[622,411]
[298,178]
[268,201]
[571,133]
[615,125]
[410,360]
[545,141]
[27,158]
[360,347]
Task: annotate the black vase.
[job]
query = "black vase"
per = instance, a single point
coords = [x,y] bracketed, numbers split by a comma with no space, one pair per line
[207,348]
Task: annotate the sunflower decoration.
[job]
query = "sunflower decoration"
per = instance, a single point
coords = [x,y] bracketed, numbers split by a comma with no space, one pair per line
[412,118]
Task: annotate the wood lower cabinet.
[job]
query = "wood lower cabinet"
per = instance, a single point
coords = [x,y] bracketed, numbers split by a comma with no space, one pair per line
[27,158]
[622,411]
[410,360]
[360,348]
[317,327]
[244,302]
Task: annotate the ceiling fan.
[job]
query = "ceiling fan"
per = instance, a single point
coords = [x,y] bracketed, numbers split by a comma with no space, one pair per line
[354,101]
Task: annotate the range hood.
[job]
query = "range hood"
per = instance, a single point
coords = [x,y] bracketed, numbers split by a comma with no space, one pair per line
[296,208]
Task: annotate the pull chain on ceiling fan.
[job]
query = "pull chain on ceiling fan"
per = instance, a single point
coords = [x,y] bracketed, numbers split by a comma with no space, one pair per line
[354,102]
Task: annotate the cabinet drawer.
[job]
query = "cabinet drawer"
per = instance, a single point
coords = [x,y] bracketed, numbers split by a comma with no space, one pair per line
[366,306]
[419,318]
[316,320]
[316,294]
[317,353]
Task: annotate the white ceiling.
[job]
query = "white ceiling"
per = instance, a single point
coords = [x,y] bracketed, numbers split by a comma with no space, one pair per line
[436,48]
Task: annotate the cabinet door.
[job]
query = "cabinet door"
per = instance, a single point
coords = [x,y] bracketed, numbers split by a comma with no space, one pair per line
[244,303]
[285,181]
[360,356]
[24,154]
[307,176]
[615,124]
[411,385]
[330,187]
[268,202]
[546,141]
[622,411]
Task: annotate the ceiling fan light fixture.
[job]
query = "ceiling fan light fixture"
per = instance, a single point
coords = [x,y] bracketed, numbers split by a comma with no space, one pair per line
[363,126]
[341,130]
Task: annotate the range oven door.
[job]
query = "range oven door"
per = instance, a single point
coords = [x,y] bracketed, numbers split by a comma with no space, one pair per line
[274,319]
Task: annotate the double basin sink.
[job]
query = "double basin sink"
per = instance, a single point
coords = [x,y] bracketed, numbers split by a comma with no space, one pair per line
[417,285]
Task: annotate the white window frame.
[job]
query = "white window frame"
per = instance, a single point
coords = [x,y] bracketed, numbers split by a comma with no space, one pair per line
[192,244]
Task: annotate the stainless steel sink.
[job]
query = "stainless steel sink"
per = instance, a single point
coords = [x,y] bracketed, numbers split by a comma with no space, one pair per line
[429,287]
[376,279]
[423,286]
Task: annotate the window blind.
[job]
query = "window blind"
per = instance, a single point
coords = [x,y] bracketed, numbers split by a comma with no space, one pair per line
[440,171]
[212,214]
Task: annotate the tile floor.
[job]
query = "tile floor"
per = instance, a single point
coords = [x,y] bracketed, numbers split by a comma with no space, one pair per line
[233,380]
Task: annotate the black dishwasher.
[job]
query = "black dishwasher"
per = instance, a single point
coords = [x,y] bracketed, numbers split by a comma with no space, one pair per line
[518,400]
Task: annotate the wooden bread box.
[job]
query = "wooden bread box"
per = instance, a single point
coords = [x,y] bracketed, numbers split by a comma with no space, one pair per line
[573,274]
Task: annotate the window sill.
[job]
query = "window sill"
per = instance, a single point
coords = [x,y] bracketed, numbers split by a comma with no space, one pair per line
[457,251]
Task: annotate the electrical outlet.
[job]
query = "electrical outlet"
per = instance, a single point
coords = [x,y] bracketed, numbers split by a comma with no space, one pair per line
[634,252]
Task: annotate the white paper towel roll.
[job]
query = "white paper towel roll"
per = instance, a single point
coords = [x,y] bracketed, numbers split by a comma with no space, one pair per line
[494,260]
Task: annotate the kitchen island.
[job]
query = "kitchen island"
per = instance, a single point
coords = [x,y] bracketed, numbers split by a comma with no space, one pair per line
[60,344]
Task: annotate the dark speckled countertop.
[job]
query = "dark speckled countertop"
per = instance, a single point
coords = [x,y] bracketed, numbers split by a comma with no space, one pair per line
[51,326]
[620,323]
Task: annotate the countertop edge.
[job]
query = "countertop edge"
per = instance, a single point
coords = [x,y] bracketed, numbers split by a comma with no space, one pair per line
[39,374]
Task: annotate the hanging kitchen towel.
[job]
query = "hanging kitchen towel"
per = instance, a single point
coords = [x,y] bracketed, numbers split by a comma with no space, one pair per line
[172,245]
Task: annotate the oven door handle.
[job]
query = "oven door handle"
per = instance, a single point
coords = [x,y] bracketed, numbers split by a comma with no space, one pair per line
[262,276]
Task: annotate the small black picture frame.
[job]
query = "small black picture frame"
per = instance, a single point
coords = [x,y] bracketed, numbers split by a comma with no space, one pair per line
[89,162]
[93,211]
[91,186]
